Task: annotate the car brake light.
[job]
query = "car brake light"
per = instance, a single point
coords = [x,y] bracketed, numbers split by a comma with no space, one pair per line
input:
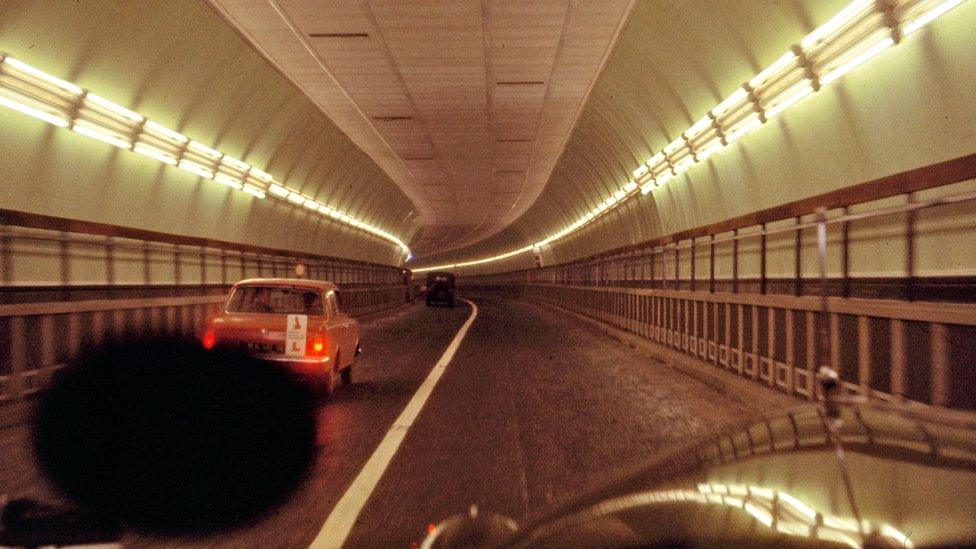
[209,339]
[317,344]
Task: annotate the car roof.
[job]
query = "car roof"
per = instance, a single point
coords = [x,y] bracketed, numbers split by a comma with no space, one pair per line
[303,282]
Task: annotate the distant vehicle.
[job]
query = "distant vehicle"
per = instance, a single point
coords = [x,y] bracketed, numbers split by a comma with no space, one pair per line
[297,322]
[440,288]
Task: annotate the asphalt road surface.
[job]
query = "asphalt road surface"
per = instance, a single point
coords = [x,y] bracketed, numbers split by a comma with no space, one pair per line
[534,407]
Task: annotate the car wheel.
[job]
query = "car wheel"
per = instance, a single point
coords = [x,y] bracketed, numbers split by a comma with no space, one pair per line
[347,375]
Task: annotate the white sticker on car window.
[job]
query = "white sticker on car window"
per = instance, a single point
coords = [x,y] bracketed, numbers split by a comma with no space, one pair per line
[296,334]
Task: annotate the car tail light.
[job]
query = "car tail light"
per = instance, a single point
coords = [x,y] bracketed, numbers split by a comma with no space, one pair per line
[317,344]
[209,339]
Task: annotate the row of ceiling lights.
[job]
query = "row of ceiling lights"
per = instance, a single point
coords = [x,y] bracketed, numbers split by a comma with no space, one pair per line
[859,32]
[36,93]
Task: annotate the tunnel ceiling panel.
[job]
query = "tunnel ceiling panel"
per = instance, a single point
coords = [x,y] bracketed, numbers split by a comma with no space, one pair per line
[466,105]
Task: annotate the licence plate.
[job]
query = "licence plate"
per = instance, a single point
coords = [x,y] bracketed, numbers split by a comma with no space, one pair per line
[263,348]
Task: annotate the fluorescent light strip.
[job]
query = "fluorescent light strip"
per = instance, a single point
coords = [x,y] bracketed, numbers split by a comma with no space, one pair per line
[110,117]
[254,191]
[154,153]
[166,132]
[929,16]
[728,114]
[198,169]
[22,67]
[856,61]
[261,175]
[112,107]
[278,190]
[205,150]
[225,179]
[31,111]
[90,130]
[235,163]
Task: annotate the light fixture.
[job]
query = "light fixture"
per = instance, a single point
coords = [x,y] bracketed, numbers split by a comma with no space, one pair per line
[100,101]
[225,179]
[50,118]
[90,130]
[277,190]
[232,162]
[154,153]
[33,92]
[166,132]
[859,32]
[205,150]
[254,191]
[198,169]
[25,69]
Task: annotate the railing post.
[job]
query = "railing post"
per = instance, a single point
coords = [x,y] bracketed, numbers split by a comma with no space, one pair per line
[18,356]
[762,258]
[798,261]
[711,264]
[677,267]
[897,352]
[203,265]
[845,256]
[940,368]
[176,264]
[910,251]
[653,263]
[735,261]
[864,354]
[146,265]
[223,266]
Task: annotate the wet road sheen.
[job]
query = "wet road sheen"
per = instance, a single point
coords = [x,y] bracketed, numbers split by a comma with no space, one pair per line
[534,407]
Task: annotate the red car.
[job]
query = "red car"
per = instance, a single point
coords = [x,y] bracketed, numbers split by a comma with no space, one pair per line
[294,321]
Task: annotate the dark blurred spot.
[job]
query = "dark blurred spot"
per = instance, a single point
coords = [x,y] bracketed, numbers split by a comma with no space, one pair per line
[170,438]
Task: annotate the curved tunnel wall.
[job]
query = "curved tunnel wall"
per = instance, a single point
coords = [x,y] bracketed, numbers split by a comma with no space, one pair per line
[179,64]
[910,107]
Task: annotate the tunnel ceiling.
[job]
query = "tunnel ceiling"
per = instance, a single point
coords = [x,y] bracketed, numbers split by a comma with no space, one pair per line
[466,105]
[673,61]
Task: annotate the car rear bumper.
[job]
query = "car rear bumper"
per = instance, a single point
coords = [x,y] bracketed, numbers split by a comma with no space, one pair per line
[312,361]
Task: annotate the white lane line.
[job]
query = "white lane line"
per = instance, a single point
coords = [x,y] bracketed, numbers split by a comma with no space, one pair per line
[340,522]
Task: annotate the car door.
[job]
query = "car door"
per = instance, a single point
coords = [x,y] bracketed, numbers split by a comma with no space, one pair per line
[352,328]
[343,329]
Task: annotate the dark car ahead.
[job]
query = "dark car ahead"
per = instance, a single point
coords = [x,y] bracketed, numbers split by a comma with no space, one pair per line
[440,288]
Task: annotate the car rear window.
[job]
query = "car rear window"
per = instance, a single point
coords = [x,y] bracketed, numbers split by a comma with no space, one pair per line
[284,300]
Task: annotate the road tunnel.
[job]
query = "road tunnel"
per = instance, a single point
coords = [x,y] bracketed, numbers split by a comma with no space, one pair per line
[566,272]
